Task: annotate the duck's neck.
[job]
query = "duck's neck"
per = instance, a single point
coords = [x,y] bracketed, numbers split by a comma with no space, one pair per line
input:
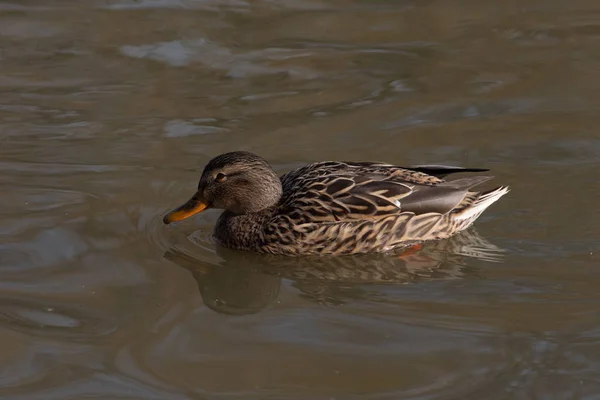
[241,231]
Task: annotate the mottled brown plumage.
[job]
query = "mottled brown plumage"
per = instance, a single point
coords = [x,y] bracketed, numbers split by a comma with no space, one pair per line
[334,207]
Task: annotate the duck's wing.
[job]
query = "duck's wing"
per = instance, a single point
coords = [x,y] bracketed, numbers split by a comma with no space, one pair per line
[442,171]
[342,191]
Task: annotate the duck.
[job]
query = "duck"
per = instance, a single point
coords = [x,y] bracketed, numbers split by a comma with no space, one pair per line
[334,207]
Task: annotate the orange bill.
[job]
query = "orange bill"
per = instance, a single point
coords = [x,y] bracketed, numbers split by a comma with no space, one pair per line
[192,207]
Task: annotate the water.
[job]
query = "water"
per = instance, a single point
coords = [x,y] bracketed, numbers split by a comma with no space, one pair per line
[110,109]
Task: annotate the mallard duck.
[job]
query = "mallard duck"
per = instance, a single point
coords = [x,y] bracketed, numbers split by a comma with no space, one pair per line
[333,207]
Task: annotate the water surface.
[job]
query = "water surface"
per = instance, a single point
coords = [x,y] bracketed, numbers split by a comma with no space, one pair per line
[110,109]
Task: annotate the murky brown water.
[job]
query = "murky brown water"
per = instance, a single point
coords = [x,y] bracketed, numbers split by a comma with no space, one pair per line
[109,110]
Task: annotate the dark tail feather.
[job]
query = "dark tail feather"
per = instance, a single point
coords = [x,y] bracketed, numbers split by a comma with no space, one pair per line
[441,171]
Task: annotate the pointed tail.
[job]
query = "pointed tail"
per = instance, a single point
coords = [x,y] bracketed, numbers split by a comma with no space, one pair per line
[484,200]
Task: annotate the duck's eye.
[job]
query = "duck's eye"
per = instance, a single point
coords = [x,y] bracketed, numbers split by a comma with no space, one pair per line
[220,177]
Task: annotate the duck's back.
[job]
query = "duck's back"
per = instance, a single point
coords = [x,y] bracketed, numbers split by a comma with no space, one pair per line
[338,191]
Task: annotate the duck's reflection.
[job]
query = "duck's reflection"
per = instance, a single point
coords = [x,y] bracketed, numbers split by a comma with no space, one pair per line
[245,283]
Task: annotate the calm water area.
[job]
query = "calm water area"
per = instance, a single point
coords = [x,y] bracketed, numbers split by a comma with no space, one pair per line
[109,110]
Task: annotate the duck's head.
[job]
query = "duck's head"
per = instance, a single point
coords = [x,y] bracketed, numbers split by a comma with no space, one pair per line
[239,182]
